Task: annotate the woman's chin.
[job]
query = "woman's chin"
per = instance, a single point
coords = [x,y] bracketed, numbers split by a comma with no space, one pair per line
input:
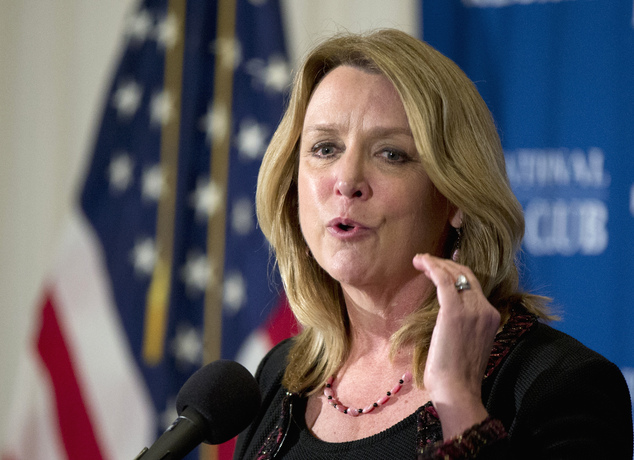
[350,272]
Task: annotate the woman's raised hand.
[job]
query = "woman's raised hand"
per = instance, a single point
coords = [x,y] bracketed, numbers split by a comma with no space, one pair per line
[460,345]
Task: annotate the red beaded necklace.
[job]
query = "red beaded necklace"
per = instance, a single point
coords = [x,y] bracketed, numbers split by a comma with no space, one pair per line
[329,392]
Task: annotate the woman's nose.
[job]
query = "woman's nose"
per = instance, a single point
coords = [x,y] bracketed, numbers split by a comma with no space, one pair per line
[352,180]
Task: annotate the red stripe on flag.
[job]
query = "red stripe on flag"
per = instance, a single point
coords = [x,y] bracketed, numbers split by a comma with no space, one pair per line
[74,423]
[225,450]
[281,323]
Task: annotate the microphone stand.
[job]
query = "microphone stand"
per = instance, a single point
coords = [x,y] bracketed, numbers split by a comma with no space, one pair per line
[180,438]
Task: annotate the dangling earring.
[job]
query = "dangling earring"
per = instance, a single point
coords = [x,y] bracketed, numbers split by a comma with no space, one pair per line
[456,250]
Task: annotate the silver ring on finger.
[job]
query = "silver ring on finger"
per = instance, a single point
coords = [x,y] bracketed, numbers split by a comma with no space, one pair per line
[462,284]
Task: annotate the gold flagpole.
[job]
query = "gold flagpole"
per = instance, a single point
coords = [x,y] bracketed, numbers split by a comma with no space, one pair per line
[220,148]
[157,301]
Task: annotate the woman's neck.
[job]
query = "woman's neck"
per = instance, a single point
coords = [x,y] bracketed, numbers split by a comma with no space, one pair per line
[377,312]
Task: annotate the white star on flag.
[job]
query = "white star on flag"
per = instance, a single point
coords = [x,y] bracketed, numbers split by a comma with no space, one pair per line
[215,123]
[187,345]
[234,293]
[120,172]
[138,26]
[207,199]
[277,74]
[152,183]
[251,139]
[143,256]
[274,75]
[167,32]
[242,217]
[196,273]
[127,98]
[161,108]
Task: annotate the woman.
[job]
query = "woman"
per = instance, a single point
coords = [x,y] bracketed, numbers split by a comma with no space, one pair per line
[385,198]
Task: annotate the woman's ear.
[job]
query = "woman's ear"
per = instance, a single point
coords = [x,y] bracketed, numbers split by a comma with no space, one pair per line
[455,218]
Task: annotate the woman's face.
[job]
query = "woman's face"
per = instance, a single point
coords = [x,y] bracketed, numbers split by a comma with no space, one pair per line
[366,205]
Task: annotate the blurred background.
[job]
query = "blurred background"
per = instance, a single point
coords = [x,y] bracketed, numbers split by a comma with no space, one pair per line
[561,92]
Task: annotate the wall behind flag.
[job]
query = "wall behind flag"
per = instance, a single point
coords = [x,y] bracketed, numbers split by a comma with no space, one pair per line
[57,63]
[56,60]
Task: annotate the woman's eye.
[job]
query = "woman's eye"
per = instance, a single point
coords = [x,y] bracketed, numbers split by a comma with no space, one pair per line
[395,156]
[323,150]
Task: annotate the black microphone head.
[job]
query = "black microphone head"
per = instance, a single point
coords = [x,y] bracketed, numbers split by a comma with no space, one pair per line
[227,396]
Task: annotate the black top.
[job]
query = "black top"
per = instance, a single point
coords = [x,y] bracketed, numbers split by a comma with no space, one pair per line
[555,398]
[398,441]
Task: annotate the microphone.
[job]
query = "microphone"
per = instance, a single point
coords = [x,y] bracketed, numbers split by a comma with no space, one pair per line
[215,404]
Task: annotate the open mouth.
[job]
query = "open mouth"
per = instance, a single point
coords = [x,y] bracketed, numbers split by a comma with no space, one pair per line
[345,227]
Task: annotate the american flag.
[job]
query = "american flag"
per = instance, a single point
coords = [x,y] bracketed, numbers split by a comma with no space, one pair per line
[163,267]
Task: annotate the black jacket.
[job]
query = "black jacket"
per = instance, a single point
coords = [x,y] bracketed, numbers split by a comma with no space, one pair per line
[556,398]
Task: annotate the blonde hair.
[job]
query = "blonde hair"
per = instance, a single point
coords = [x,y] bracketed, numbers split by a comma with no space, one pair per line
[460,149]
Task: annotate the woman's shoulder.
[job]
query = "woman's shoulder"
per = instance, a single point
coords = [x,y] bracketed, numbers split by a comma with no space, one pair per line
[545,346]
[550,379]
[273,364]
[269,377]
[548,364]
[549,354]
